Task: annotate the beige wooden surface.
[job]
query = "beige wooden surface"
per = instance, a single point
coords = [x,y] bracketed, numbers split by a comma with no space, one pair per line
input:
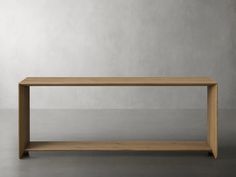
[212,118]
[25,145]
[117,81]
[120,146]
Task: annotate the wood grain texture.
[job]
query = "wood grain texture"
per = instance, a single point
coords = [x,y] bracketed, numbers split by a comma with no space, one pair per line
[24,119]
[117,81]
[119,146]
[212,104]
[26,146]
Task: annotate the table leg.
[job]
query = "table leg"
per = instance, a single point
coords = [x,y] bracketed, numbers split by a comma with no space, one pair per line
[24,119]
[212,105]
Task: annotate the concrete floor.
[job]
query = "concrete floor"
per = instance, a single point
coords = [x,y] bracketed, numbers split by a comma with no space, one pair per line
[117,124]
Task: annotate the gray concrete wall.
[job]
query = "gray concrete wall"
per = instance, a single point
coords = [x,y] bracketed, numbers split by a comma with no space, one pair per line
[118,38]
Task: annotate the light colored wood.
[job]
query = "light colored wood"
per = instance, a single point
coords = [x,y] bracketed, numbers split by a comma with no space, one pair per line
[212,104]
[24,121]
[24,115]
[119,146]
[117,81]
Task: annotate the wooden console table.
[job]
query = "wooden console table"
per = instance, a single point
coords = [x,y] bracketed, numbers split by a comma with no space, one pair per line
[25,145]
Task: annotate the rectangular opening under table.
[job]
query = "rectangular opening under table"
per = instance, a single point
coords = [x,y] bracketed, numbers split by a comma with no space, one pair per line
[25,145]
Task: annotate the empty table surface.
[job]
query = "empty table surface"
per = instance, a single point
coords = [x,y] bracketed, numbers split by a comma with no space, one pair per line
[117,81]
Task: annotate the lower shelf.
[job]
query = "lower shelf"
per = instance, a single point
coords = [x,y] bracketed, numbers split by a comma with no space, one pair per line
[118,146]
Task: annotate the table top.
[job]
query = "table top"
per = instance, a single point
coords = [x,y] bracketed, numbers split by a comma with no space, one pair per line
[117,81]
